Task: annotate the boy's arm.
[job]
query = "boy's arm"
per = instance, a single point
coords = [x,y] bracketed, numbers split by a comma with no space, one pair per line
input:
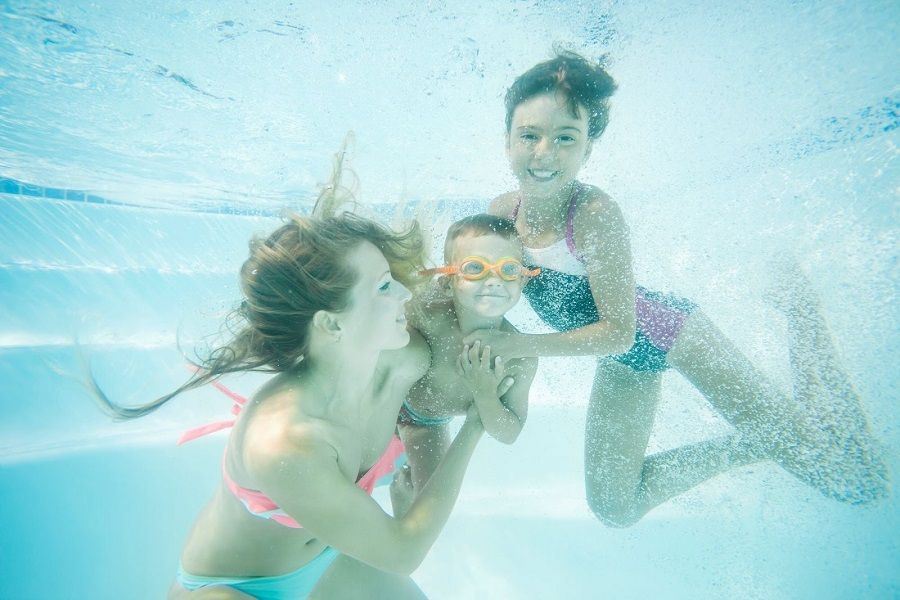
[490,380]
[503,413]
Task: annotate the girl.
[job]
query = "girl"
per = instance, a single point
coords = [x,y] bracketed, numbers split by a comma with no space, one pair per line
[323,310]
[578,238]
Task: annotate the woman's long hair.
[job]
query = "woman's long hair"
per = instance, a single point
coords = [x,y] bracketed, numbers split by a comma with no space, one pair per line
[298,270]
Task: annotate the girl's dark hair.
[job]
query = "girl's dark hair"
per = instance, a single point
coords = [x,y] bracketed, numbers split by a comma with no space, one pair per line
[576,80]
[298,270]
[478,225]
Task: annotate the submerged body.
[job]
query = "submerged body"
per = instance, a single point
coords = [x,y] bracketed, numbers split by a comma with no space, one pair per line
[292,516]
[561,296]
[441,393]
[228,539]
[457,305]
[820,434]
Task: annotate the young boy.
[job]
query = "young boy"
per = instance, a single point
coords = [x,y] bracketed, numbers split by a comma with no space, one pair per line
[482,279]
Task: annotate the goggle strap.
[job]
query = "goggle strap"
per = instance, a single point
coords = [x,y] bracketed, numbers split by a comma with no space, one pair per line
[447,270]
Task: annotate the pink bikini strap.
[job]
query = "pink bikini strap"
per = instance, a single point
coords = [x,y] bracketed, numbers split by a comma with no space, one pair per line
[258,503]
[196,432]
[385,465]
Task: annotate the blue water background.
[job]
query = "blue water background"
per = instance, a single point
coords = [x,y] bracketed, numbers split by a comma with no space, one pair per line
[142,145]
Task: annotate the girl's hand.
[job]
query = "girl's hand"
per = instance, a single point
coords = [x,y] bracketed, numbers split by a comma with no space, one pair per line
[474,365]
[502,343]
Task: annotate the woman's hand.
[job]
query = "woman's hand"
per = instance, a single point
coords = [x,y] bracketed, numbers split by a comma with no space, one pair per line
[502,343]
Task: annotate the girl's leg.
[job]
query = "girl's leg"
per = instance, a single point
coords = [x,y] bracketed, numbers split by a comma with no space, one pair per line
[820,383]
[622,484]
[769,420]
[349,579]
[821,386]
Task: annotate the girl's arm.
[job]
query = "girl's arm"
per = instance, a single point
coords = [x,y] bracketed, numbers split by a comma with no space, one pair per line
[307,484]
[602,238]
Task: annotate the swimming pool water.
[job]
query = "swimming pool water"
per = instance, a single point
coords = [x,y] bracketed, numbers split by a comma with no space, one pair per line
[141,145]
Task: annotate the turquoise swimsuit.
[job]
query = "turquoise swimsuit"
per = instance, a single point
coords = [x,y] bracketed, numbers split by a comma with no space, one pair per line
[561,296]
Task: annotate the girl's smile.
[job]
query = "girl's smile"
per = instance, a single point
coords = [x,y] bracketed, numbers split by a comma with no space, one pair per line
[546,144]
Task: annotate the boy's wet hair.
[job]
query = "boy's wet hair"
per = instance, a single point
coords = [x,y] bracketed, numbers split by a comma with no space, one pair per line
[476,226]
[578,81]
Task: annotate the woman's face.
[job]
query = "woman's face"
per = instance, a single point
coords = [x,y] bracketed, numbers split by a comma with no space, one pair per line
[546,145]
[375,317]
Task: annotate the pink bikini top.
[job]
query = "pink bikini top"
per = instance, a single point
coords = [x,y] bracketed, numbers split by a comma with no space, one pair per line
[261,505]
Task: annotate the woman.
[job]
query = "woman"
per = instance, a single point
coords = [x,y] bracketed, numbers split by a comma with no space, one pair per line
[323,310]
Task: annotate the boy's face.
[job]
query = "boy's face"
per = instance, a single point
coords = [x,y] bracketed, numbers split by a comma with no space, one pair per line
[546,145]
[490,296]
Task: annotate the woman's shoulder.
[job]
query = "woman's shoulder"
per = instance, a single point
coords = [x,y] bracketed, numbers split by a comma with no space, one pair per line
[270,439]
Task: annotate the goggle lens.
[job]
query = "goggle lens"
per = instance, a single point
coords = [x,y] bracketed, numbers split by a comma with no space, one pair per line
[472,268]
[510,270]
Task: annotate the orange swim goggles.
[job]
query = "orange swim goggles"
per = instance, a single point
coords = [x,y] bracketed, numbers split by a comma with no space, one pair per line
[474,268]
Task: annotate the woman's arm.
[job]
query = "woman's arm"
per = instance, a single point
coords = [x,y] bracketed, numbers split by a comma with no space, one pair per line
[602,238]
[307,483]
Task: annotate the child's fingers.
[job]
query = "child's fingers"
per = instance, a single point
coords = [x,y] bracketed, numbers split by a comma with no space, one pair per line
[499,368]
[505,385]
[403,475]
[473,353]
[465,361]
[486,358]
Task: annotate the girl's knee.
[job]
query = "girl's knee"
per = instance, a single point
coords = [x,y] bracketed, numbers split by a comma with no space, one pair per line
[613,512]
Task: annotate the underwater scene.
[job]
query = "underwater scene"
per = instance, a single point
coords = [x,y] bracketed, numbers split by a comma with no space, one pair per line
[593,299]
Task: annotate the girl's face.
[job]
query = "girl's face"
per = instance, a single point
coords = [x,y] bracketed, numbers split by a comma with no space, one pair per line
[490,296]
[546,145]
[375,317]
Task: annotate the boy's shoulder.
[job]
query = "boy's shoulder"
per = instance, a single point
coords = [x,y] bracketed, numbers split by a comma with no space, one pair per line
[432,315]
[504,204]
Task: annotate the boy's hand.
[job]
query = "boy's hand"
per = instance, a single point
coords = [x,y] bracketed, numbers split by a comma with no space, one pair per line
[502,343]
[402,491]
[474,364]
